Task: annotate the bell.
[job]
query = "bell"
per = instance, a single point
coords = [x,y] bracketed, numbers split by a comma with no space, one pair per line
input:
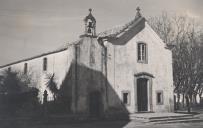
[90,24]
[89,30]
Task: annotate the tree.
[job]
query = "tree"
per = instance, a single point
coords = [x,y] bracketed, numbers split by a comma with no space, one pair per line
[185,35]
[52,85]
[10,82]
[163,26]
[199,88]
[16,94]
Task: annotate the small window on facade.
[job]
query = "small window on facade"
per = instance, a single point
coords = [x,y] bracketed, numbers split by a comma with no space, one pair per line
[126,97]
[44,64]
[9,69]
[25,68]
[159,97]
[142,52]
[1,79]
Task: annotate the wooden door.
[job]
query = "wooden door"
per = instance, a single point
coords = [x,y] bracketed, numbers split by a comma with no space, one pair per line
[142,94]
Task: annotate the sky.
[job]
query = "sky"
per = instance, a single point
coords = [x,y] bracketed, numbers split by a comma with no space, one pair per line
[32,27]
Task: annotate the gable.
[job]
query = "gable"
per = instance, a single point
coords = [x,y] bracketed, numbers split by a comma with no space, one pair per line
[122,34]
[149,37]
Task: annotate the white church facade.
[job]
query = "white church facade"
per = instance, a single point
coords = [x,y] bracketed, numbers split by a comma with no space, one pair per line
[126,69]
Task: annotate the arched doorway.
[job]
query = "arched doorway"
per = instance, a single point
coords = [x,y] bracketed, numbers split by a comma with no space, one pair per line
[142,94]
[95,104]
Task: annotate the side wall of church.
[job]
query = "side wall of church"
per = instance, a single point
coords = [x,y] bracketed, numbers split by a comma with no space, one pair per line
[89,71]
[58,63]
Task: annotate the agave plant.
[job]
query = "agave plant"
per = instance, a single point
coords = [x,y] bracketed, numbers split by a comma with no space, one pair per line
[52,85]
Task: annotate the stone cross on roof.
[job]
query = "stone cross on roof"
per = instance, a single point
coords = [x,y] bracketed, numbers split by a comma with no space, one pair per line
[90,16]
[90,10]
[138,12]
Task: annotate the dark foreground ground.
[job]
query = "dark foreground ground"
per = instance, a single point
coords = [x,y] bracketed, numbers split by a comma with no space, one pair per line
[106,124]
[100,124]
[119,124]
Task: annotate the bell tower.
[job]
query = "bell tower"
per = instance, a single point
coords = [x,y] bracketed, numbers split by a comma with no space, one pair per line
[90,24]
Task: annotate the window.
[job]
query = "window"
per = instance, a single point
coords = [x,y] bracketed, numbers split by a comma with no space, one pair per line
[45,64]
[159,97]
[142,52]
[126,97]
[9,69]
[1,77]
[25,68]
[89,27]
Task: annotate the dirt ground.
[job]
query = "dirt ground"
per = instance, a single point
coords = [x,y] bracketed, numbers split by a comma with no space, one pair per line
[100,124]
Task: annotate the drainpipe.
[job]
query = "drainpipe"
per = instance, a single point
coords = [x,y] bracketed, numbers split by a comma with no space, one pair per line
[75,87]
[103,43]
[105,69]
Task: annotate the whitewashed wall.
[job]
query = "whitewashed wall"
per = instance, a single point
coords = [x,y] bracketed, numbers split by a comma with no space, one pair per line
[57,63]
[123,65]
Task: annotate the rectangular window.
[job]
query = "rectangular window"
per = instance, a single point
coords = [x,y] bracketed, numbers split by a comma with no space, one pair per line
[126,97]
[45,64]
[1,77]
[159,97]
[9,69]
[142,52]
[25,68]
[139,52]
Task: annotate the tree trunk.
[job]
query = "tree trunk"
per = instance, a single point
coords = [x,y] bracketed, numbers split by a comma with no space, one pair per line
[190,100]
[183,101]
[54,96]
[200,100]
[195,99]
[175,104]
[178,100]
[188,104]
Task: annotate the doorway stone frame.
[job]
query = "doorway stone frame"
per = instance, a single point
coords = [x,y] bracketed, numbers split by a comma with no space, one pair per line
[149,77]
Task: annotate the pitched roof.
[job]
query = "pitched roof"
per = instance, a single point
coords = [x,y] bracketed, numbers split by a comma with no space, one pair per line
[60,49]
[116,31]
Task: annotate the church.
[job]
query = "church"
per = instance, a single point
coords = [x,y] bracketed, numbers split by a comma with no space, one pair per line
[126,69]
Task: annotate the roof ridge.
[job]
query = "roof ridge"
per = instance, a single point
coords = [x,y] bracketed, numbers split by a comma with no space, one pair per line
[110,33]
[118,29]
[42,54]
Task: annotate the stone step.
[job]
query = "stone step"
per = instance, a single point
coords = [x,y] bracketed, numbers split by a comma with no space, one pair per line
[195,120]
[163,118]
[172,119]
[134,116]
